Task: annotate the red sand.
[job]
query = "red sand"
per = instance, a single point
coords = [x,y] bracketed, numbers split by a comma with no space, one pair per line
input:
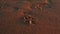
[48,23]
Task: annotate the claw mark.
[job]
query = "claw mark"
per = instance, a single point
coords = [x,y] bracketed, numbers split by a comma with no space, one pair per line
[26,20]
[29,20]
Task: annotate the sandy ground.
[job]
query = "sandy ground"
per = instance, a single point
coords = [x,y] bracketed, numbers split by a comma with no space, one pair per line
[47,20]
